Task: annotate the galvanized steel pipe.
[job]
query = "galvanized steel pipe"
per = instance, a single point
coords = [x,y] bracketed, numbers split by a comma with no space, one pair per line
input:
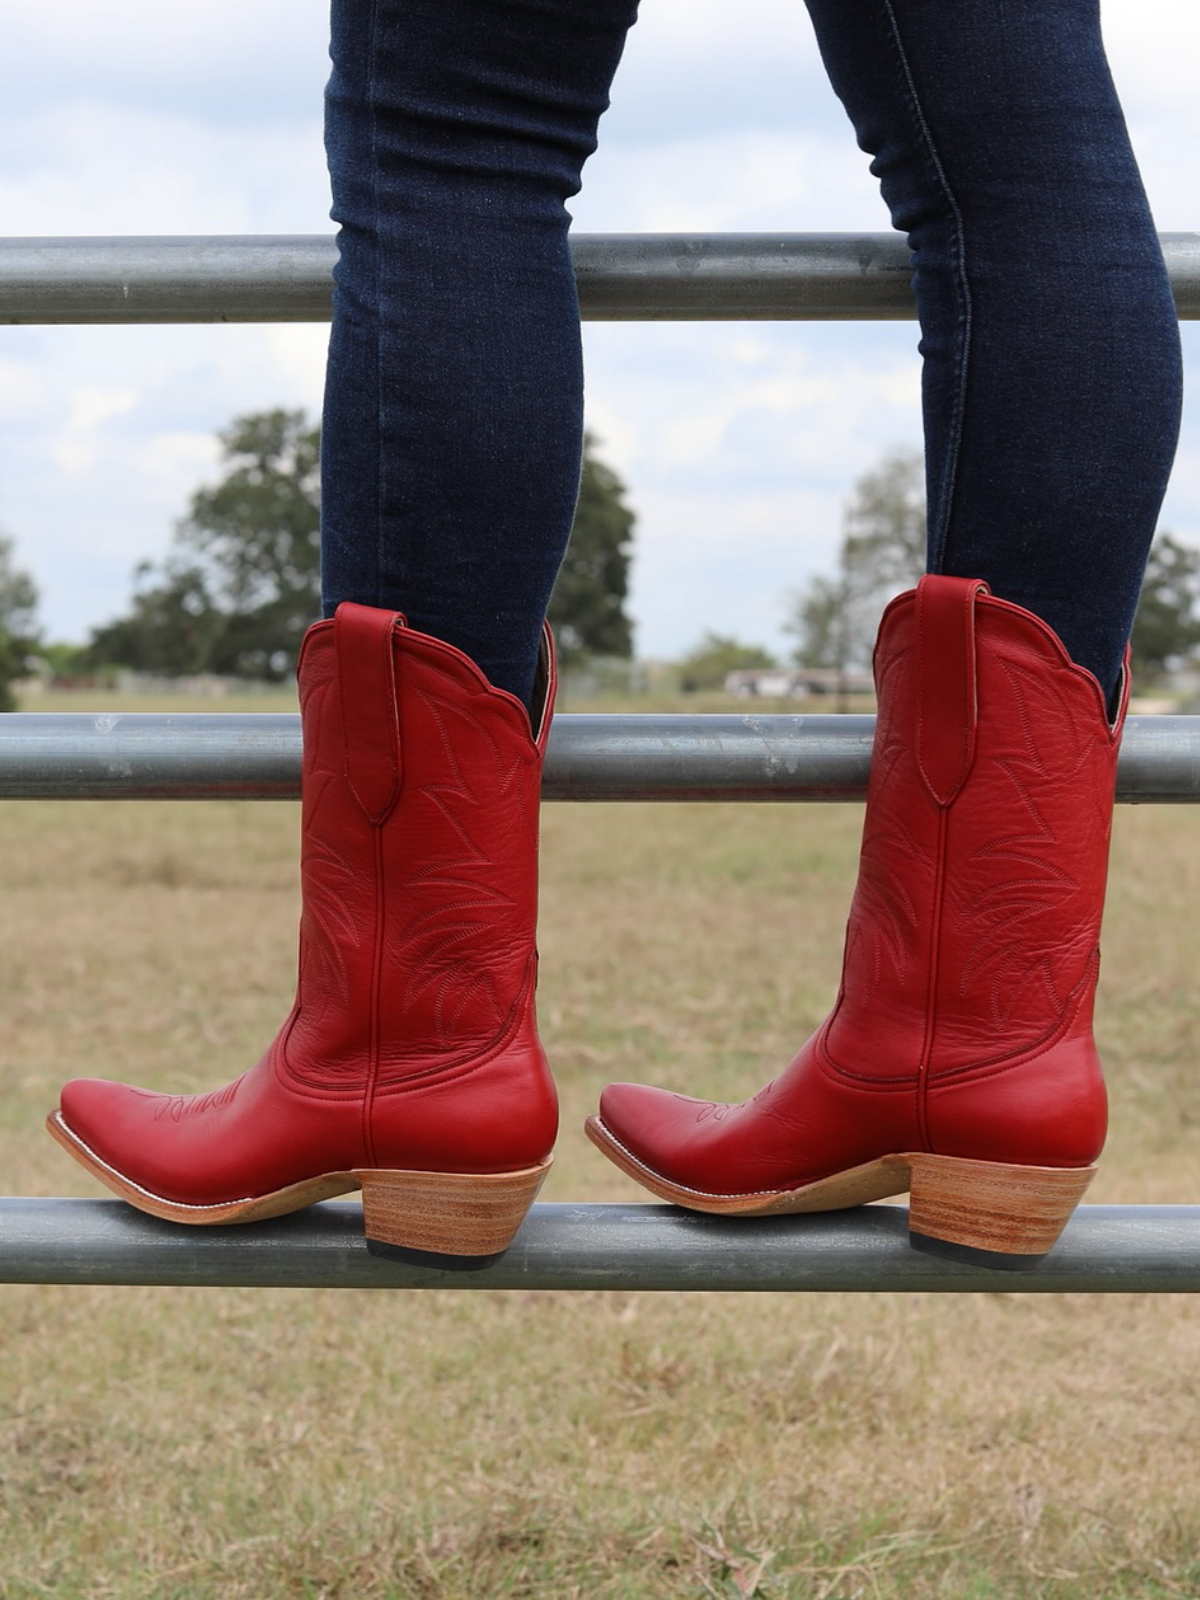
[256,756]
[622,277]
[1105,1249]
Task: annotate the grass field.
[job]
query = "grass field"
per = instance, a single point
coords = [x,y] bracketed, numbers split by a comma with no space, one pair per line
[179,1444]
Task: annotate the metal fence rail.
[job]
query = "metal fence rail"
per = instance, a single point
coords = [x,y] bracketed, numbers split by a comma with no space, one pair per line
[256,756]
[622,277]
[1105,1249]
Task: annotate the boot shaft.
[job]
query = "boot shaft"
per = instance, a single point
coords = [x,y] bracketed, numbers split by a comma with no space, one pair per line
[974,931]
[421,788]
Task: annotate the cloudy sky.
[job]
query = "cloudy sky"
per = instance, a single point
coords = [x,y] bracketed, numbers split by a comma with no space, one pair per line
[739,442]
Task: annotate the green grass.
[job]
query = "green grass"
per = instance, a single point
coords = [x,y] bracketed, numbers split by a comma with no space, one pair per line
[173,1445]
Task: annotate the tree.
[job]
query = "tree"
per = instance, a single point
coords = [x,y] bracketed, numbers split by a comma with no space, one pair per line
[819,619]
[256,539]
[18,629]
[587,608]
[715,657]
[241,582]
[882,553]
[171,631]
[1166,629]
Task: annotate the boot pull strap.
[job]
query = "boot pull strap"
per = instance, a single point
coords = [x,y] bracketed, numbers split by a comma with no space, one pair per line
[366,676]
[947,702]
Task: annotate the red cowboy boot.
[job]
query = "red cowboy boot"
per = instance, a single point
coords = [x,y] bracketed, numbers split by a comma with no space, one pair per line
[958,1062]
[410,1066]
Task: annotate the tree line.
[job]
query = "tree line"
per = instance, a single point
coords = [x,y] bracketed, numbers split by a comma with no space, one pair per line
[240,582]
[882,552]
[18,622]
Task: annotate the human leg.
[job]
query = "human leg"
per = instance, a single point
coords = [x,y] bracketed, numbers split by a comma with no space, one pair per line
[959,1061]
[456,130]
[410,1065]
[1052,369]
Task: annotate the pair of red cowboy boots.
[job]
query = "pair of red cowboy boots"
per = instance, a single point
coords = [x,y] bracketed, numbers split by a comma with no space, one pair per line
[958,1062]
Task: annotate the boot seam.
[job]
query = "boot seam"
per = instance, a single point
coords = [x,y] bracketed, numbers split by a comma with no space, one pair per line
[837,1072]
[364,1088]
[924,1064]
[377,962]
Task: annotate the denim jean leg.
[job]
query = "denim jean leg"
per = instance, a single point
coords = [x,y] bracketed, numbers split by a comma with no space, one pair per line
[1052,371]
[456,130]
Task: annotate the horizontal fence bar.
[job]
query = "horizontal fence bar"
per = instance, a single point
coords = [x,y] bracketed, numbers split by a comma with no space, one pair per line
[622,277]
[1105,1249]
[256,756]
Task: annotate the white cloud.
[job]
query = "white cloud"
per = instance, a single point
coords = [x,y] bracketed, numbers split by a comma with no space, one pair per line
[749,181]
[739,444]
[727,562]
[92,168]
[77,447]
[93,478]
[240,64]
[297,352]
[23,390]
[172,458]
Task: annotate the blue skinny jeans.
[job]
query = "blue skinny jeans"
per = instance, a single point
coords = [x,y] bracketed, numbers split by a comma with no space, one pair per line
[456,131]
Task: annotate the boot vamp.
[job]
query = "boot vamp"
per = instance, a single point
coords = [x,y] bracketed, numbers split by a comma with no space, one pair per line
[246,1140]
[808,1123]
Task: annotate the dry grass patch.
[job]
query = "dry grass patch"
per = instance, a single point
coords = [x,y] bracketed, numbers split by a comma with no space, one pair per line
[165,1445]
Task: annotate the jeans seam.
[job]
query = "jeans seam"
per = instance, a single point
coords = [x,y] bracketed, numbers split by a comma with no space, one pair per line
[377,300]
[938,538]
